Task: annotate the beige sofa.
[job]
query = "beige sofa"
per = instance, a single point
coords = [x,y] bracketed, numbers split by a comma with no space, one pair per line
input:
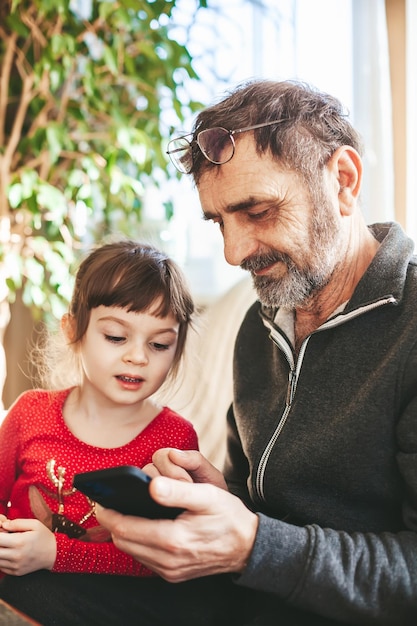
[205,392]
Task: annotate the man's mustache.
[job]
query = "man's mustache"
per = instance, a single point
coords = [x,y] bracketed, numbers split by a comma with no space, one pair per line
[260,261]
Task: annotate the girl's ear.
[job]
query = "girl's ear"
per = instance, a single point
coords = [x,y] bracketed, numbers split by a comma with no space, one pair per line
[68,327]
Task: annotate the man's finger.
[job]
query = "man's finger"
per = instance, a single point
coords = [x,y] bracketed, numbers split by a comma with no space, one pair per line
[192,496]
[197,467]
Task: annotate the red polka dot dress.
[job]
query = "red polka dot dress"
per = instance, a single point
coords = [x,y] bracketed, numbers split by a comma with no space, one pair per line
[38,459]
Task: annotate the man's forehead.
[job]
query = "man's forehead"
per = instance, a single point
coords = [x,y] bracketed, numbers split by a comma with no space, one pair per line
[245,157]
[247,179]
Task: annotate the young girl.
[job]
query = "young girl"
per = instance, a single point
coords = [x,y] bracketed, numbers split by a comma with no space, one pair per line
[125,332]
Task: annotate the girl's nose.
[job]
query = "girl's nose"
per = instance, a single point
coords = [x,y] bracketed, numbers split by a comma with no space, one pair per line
[136,354]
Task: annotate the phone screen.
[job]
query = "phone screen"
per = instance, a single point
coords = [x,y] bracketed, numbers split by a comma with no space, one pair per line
[124,489]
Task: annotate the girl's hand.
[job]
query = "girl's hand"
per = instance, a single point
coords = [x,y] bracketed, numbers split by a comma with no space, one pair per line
[3,518]
[26,546]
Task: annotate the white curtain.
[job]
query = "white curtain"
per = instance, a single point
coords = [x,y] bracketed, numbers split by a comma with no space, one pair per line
[411,118]
[372,106]
[346,54]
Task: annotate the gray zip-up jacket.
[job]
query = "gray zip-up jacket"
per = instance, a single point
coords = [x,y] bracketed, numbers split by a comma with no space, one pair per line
[324,448]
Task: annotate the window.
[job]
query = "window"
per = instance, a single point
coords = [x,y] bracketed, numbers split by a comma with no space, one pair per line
[340,46]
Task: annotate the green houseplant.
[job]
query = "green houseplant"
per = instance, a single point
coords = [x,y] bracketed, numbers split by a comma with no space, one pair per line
[83,89]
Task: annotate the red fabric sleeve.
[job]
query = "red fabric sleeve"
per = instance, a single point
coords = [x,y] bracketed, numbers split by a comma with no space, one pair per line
[9,453]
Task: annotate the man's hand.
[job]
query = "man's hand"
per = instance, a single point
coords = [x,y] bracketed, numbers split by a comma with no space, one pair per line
[26,546]
[214,535]
[186,465]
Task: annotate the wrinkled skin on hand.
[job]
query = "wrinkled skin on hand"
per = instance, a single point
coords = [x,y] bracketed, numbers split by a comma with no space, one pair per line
[215,534]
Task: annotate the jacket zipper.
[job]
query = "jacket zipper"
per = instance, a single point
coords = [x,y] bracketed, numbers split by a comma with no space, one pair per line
[293,375]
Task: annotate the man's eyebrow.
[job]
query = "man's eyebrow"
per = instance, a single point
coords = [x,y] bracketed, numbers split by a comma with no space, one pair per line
[243,205]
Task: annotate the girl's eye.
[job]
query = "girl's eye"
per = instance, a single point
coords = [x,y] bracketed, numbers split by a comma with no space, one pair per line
[160,346]
[114,339]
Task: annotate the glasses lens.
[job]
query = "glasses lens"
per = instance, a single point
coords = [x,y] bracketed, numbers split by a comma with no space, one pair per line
[180,153]
[216,144]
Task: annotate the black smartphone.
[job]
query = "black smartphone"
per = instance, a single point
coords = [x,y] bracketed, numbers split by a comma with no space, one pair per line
[124,489]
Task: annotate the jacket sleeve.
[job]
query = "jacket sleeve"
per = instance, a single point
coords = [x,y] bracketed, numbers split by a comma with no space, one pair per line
[358,578]
[76,556]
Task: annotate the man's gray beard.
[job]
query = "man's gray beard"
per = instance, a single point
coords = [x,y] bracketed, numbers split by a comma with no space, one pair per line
[298,286]
[291,291]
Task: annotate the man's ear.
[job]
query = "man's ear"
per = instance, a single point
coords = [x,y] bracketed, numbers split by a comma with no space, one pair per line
[68,327]
[346,165]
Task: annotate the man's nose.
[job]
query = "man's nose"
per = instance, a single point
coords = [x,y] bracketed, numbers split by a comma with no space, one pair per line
[239,244]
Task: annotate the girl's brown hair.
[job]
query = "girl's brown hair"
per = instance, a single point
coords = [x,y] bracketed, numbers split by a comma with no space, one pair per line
[126,274]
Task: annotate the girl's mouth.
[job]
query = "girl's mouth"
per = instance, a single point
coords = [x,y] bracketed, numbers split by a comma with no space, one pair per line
[129,379]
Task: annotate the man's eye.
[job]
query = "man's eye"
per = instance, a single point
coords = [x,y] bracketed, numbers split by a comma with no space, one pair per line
[259,215]
[219,223]
[114,339]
